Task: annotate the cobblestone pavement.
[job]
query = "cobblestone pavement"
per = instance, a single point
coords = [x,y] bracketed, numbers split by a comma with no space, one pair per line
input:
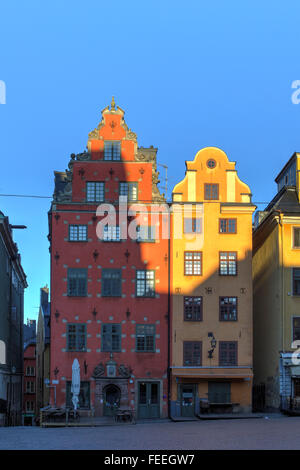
[274,432]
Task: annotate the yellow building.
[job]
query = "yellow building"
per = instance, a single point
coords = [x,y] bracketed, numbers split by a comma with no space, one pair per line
[211,258]
[276,289]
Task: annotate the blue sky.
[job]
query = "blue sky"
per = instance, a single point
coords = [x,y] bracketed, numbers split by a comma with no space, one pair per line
[188,75]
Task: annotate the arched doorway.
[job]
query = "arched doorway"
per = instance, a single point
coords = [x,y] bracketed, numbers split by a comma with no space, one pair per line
[111,399]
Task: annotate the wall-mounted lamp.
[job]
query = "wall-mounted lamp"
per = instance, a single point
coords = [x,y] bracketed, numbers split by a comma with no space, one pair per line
[213,343]
[95,255]
[128,313]
[57,315]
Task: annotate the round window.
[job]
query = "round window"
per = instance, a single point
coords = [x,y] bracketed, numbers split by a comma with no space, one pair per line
[211,163]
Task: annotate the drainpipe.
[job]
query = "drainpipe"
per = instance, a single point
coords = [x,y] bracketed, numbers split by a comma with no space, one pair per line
[282,277]
[282,281]
[169,320]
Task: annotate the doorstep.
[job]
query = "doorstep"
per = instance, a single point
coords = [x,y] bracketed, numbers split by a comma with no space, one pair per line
[209,416]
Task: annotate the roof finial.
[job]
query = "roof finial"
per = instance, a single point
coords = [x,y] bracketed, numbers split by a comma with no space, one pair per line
[112,106]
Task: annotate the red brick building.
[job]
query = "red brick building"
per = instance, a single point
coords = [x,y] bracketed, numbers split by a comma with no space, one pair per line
[29,383]
[109,293]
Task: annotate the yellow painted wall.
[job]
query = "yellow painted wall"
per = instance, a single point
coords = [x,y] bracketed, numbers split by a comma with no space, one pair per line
[274,305]
[210,243]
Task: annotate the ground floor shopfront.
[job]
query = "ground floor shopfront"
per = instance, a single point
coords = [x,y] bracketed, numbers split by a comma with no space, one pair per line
[112,387]
[210,390]
[289,380]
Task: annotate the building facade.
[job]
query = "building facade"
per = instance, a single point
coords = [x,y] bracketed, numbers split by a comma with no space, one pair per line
[109,291]
[29,382]
[276,288]
[12,285]
[211,285]
[43,352]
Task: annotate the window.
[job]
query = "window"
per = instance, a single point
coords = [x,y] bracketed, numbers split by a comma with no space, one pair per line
[83,398]
[228,263]
[145,233]
[192,225]
[111,337]
[30,388]
[111,282]
[145,283]
[77,282]
[227,226]
[30,371]
[29,406]
[130,190]
[192,308]
[111,233]
[112,150]
[95,191]
[211,163]
[296,328]
[219,392]
[76,337]
[296,237]
[228,353]
[211,191]
[228,308]
[145,338]
[77,233]
[192,353]
[296,281]
[192,263]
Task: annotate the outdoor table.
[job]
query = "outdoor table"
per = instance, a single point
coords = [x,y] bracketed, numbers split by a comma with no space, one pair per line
[124,413]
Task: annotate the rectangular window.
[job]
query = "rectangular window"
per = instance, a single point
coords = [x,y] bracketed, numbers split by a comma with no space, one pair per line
[95,191]
[192,225]
[130,190]
[30,371]
[111,233]
[111,282]
[296,281]
[30,388]
[77,282]
[211,191]
[76,336]
[296,328]
[296,237]
[228,353]
[145,233]
[111,337]
[145,338]
[77,233]
[112,150]
[192,353]
[228,308]
[192,308]
[193,263]
[227,225]
[83,397]
[29,406]
[145,283]
[228,263]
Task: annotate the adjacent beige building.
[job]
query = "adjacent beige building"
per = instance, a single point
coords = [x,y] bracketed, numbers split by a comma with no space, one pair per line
[276,285]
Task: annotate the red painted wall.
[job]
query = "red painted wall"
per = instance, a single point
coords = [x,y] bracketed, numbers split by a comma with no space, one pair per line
[65,254]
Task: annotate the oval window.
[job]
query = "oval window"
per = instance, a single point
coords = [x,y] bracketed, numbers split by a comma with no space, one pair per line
[211,163]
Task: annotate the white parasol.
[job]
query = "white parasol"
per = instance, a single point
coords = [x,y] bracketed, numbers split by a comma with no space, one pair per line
[75,387]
